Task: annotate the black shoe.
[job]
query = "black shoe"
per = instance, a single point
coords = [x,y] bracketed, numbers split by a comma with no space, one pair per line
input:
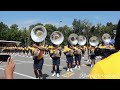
[37,76]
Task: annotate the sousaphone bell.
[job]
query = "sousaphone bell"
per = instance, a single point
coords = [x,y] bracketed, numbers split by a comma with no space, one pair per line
[106,38]
[93,41]
[82,40]
[73,39]
[56,37]
[38,33]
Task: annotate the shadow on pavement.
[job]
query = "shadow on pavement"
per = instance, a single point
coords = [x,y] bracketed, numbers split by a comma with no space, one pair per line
[45,76]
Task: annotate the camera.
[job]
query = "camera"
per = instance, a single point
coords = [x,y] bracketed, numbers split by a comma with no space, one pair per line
[4,57]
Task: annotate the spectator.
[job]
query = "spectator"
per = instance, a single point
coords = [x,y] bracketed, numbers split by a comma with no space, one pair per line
[9,69]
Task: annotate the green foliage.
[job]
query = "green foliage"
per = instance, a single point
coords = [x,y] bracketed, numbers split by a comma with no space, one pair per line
[80,27]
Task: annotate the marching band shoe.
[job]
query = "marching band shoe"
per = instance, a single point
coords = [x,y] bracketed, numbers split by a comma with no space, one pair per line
[75,66]
[54,74]
[37,78]
[79,66]
[71,70]
[58,75]
[88,60]
[68,70]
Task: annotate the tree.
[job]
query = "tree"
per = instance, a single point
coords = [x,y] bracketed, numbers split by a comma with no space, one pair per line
[50,29]
[12,33]
[66,31]
[3,30]
[32,26]
[79,25]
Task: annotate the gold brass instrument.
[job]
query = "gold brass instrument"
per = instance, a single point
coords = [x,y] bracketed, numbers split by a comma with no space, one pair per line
[71,52]
[56,53]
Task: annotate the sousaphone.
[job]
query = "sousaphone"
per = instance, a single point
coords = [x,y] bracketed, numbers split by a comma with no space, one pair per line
[94,41]
[56,37]
[38,33]
[73,39]
[106,38]
[82,40]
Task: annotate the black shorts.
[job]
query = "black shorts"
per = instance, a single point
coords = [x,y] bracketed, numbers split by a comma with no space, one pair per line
[77,58]
[92,57]
[69,59]
[38,64]
[56,61]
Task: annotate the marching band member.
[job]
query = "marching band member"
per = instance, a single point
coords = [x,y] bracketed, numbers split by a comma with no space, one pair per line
[37,52]
[89,51]
[109,67]
[92,56]
[68,51]
[55,54]
[77,54]
[27,50]
[23,50]
[30,49]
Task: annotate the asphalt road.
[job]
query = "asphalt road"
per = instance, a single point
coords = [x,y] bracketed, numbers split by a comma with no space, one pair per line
[24,68]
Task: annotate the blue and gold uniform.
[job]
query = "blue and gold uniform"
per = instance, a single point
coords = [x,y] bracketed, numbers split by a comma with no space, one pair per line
[77,55]
[37,52]
[69,52]
[55,54]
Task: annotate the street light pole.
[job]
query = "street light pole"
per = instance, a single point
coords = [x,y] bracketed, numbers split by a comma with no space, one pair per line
[59,23]
[86,35]
[87,43]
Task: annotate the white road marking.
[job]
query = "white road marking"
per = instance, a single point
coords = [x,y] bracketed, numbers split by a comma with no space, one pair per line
[50,65]
[5,65]
[32,62]
[51,58]
[21,74]
[24,61]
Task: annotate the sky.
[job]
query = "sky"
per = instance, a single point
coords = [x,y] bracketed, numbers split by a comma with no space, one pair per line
[27,18]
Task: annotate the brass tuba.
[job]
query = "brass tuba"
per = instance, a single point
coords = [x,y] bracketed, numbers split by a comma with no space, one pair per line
[56,37]
[38,33]
[82,40]
[73,39]
[106,38]
[93,41]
